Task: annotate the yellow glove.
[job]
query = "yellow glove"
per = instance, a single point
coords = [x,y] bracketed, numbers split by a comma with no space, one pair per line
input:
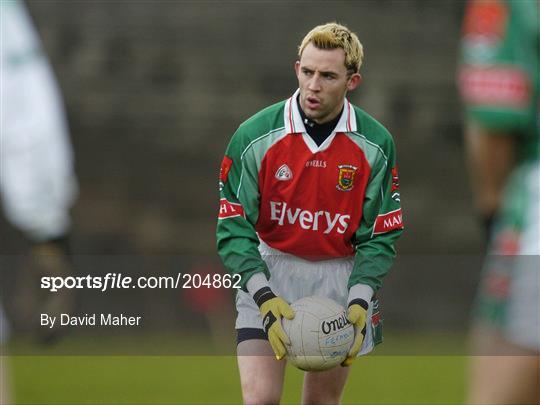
[273,309]
[356,315]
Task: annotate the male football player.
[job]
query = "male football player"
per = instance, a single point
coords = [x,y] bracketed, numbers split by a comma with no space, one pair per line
[500,85]
[309,206]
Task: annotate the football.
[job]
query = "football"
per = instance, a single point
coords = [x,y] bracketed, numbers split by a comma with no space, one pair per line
[320,334]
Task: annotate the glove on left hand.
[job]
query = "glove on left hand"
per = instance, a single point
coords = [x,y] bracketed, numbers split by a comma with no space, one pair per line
[356,315]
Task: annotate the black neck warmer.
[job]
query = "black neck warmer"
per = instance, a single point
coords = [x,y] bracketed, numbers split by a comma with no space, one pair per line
[318,132]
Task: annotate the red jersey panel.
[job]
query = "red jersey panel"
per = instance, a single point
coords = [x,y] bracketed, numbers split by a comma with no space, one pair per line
[311,201]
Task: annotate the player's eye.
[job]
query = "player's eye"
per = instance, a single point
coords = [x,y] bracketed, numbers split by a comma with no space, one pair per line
[307,72]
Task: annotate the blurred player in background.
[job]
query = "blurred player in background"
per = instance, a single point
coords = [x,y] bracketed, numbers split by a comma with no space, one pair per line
[309,206]
[37,181]
[500,84]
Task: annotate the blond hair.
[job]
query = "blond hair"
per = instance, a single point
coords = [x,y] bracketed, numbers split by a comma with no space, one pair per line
[333,36]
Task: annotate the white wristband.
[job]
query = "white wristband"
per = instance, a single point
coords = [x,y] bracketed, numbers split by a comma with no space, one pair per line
[256,282]
[362,291]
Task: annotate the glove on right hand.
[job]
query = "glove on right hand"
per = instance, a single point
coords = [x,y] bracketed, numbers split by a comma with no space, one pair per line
[272,309]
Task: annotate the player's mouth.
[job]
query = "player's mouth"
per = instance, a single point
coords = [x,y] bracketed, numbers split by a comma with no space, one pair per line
[312,103]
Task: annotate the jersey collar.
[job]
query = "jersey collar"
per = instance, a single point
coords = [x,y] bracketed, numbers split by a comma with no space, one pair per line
[294,124]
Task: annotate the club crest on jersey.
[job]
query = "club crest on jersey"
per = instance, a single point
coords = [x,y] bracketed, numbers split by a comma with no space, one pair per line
[284,173]
[346,177]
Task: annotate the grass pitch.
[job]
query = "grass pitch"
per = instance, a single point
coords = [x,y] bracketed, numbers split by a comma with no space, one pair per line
[376,379]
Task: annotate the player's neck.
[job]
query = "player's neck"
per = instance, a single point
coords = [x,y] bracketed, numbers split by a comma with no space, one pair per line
[318,132]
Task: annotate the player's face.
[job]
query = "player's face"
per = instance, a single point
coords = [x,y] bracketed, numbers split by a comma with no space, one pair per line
[323,80]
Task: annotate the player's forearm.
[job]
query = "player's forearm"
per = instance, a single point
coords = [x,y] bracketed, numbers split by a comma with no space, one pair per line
[257,282]
[360,292]
[490,157]
[246,267]
[373,260]
[240,255]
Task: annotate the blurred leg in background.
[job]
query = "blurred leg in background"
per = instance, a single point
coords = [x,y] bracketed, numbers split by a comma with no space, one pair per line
[505,366]
[509,378]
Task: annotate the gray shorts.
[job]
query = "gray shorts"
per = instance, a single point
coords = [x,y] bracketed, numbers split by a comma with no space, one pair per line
[293,278]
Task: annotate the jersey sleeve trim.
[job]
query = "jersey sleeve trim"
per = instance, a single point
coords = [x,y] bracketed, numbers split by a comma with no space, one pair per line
[495,86]
[388,222]
[229,209]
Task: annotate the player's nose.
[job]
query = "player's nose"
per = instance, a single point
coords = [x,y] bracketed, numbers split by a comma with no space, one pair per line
[314,83]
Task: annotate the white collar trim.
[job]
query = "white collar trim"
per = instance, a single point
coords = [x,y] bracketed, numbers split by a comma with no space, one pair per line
[294,124]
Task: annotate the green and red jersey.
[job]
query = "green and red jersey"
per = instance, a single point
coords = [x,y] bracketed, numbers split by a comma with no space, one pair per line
[339,199]
[499,81]
[499,75]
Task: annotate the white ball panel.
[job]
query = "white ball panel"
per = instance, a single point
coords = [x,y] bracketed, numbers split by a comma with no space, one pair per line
[320,334]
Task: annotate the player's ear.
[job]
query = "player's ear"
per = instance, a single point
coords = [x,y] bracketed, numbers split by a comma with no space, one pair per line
[297,68]
[354,81]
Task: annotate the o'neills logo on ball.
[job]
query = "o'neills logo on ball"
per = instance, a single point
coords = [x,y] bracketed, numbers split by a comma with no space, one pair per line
[334,325]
